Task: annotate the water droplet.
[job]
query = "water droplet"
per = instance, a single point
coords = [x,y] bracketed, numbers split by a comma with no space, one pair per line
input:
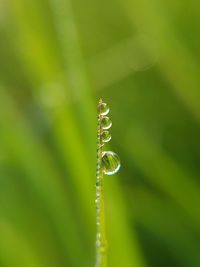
[104,109]
[106,136]
[98,243]
[110,162]
[98,183]
[98,191]
[106,123]
[102,249]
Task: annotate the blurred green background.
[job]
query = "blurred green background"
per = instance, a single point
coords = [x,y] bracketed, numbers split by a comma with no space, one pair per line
[57,57]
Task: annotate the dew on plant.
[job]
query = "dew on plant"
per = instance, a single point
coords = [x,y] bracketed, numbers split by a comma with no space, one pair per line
[110,162]
[104,109]
[106,136]
[106,123]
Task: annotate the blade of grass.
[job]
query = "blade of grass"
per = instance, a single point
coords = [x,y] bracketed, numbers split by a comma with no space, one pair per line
[164,173]
[124,248]
[15,250]
[175,60]
[66,133]
[24,149]
[165,220]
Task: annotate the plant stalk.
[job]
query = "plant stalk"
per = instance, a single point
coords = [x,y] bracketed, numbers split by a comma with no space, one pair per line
[101,242]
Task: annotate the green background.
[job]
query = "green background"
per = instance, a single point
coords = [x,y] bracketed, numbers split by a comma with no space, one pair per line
[57,58]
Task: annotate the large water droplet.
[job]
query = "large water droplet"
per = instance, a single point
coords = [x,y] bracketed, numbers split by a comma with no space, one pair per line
[106,123]
[104,109]
[106,136]
[110,162]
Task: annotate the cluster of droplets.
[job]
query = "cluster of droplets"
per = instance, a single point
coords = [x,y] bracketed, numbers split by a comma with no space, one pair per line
[110,160]
[107,163]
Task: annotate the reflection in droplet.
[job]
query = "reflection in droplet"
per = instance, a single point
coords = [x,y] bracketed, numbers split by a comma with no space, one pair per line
[106,136]
[110,162]
[104,109]
[106,123]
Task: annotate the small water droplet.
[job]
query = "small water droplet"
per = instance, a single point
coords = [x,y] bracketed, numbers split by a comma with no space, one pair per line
[98,236]
[98,243]
[102,249]
[106,123]
[98,190]
[106,136]
[110,162]
[98,183]
[104,109]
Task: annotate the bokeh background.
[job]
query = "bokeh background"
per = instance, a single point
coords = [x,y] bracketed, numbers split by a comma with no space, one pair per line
[57,58]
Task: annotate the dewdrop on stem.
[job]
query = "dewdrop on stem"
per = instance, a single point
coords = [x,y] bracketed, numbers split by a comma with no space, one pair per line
[108,163]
